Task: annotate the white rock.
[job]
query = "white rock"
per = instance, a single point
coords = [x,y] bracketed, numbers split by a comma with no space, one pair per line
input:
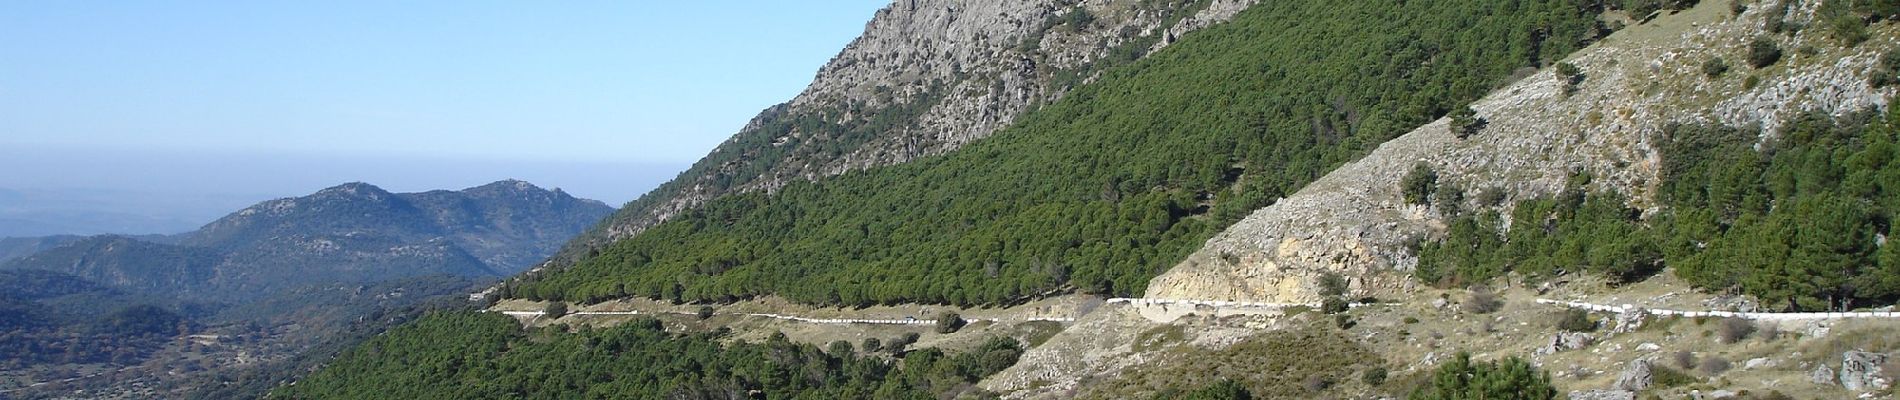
[1860,371]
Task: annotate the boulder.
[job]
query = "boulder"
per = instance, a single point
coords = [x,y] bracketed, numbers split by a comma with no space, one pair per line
[1860,371]
[1630,320]
[1635,377]
[1818,329]
[1822,375]
[1564,341]
[1602,395]
[1759,362]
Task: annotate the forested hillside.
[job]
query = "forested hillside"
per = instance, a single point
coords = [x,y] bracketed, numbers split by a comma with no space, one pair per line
[49,317]
[1795,219]
[1102,190]
[465,355]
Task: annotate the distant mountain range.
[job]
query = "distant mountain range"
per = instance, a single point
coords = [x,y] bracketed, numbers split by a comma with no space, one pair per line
[263,284]
[353,232]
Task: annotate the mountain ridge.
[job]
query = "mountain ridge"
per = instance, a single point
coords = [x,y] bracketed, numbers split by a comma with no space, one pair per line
[356,231]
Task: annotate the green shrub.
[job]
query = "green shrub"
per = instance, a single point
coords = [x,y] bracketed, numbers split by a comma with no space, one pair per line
[1576,320]
[1684,359]
[1373,377]
[1078,19]
[1332,284]
[1715,67]
[840,348]
[1888,72]
[1509,379]
[1483,301]
[1713,365]
[901,344]
[1449,199]
[1734,330]
[1334,305]
[1763,52]
[1466,122]
[1847,23]
[949,322]
[1665,377]
[1491,197]
[1849,29]
[1571,75]
[1419,184]
[554,310]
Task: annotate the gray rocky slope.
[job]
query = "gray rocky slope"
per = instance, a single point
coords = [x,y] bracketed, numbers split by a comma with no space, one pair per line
[925,77]
[1354,222]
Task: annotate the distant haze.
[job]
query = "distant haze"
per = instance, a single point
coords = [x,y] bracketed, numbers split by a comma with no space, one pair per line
[155,117]
[52,190]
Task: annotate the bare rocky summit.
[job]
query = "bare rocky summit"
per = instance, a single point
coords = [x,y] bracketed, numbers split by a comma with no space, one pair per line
[925,78]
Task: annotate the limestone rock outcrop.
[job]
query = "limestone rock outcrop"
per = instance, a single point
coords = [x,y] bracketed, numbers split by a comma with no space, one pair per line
[1354,222]
[1637,376]
[1861,371]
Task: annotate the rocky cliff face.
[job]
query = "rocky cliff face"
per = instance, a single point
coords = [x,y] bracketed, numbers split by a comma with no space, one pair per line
[1353,221]
[926,77]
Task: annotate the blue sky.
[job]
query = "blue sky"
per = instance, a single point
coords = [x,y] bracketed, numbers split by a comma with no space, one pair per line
[636,85]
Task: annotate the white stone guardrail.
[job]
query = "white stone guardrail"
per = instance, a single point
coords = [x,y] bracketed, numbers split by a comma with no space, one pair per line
[1229,304]
[1211,303]
[1723,314]
[835,321]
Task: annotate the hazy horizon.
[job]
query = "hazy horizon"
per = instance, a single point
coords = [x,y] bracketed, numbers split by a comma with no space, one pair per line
[144,193]
[154,117]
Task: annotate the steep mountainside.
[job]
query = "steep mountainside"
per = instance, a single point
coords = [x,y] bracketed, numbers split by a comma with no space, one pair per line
[1578,139]
[1104,189]
[350,233]
[926,77]
[1314,199]
[1537,135]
